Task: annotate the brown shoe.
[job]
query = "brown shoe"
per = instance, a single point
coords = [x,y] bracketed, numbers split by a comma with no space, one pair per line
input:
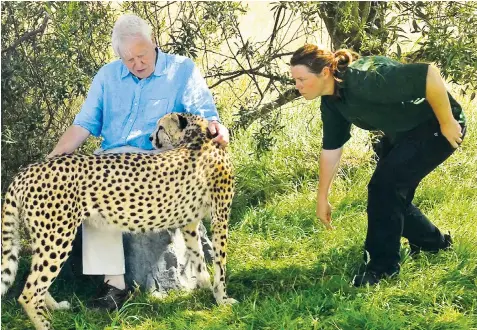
[109,298]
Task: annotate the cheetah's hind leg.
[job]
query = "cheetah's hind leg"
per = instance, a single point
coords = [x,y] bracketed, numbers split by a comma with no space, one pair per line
[45,267]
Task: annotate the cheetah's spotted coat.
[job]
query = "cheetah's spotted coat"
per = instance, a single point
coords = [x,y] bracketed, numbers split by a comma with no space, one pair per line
[135,192]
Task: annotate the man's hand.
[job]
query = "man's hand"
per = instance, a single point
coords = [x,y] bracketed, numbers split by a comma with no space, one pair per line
[71,139]
[222,133]
[452,131]
[52,154]
[323,212]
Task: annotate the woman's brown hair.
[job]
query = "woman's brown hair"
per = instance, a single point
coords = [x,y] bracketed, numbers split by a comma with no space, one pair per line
[315,59]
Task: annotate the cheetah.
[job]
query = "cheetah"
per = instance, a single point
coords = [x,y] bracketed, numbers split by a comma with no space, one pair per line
[136,193]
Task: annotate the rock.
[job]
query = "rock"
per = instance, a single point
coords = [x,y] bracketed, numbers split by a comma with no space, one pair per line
[157,261]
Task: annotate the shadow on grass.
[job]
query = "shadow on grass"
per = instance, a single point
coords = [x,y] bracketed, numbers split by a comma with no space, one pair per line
[324,274]
[242,285]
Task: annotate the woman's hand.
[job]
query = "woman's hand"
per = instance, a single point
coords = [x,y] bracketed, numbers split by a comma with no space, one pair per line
[323,212]
[452,131]
[436,95]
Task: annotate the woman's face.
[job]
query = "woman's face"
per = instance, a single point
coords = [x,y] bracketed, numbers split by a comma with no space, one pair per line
[309,84]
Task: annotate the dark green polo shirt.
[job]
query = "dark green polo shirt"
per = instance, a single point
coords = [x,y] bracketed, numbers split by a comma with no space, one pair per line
[378,93]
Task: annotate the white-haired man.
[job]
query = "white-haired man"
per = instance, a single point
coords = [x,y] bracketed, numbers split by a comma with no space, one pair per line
[124,102]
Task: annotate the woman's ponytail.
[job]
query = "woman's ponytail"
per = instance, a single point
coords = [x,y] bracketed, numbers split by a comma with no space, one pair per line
[343,58]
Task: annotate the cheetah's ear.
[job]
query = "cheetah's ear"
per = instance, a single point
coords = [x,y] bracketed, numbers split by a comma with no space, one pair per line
[182,121]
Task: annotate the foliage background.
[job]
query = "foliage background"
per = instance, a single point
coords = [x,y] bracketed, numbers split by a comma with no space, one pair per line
[51,51]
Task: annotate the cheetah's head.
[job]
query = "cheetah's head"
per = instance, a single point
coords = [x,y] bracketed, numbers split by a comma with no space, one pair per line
[174,129]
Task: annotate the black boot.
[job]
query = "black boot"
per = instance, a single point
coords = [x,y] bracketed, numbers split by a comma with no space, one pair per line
[445,245]
[372,277]
[370,274]
[109,298]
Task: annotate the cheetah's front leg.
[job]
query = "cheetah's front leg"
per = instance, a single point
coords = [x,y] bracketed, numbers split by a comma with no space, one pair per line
[219,232]
[53,305]
[196,254]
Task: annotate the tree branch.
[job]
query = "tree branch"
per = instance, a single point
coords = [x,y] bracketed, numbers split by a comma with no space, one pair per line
[28,35]
[225,79]
[247,116]
[251,70]
[274,31]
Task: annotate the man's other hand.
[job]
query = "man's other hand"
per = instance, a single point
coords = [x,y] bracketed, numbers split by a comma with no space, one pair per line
[222,133]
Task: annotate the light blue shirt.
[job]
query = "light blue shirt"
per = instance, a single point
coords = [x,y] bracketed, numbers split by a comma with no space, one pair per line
[124,110]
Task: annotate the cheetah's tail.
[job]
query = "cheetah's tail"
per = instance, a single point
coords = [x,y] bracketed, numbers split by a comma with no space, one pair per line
[10,241]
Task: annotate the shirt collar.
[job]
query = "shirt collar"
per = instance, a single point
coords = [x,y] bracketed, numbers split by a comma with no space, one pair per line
[160,69]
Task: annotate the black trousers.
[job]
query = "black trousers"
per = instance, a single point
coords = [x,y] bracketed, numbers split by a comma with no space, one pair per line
[391,214]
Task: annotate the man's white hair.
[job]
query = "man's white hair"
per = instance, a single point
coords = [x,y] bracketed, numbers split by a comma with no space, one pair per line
[129,26]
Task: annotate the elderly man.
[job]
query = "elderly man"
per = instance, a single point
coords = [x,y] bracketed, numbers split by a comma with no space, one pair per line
[124,102]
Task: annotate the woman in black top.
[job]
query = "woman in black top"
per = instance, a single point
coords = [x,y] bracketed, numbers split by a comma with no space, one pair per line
[422,121]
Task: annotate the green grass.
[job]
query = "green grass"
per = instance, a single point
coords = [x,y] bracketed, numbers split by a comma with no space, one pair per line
[290,273]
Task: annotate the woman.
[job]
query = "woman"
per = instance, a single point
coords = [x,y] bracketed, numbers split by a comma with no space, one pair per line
[423,122]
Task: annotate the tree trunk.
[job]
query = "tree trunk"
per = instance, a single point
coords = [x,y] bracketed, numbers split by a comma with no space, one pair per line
[361,17]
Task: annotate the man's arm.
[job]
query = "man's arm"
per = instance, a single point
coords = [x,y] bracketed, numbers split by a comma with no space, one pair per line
[88,121]
[436,95]
[197,99]
[71,139]
[329,161]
